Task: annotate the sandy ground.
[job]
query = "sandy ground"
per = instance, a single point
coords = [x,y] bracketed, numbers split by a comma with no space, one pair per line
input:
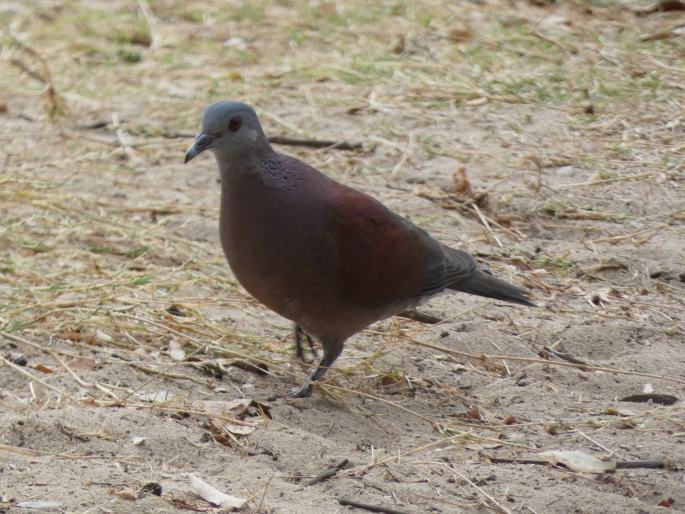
[126,343]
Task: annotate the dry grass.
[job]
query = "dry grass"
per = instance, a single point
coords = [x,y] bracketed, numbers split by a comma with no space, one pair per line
[568,119]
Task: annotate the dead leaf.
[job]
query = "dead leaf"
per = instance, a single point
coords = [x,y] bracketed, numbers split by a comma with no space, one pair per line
[239,408]
[484,446]
[460,34]
[481,100]
[260,369]
[157,396]
[577,461]
[43,368]
[213,495]
[464,191]
[233,407]
[82,364]
[126,493]
[510,420]
[40,505]
[72,336]
[103,337]
[399,45]
[176,351]
[660,6]
[666,502]
[623,413]
[599,297]
[474,413]
[462,186]
[182,504]
[395,383]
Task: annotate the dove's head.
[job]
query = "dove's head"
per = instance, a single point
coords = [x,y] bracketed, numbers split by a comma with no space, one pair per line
[231,130]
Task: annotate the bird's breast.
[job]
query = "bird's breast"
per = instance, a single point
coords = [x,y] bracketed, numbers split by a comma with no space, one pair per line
[276,249]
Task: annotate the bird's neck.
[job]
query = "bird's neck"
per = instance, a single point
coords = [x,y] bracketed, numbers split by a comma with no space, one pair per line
[263,169]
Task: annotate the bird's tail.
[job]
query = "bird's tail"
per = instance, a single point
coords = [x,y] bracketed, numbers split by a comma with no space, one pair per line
[482,283]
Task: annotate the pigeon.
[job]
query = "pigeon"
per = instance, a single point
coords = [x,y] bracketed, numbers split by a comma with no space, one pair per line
[329,258]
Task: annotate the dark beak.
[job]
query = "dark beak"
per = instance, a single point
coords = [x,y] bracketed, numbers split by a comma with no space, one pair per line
[202,142]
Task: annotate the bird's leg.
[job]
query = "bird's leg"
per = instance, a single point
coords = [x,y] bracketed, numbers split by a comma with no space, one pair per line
[299,351]
[331,351]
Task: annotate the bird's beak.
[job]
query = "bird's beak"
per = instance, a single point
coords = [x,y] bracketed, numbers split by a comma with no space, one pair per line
[202,142]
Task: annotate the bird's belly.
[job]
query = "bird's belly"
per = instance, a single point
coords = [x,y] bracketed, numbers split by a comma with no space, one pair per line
[296,277]
[269,258]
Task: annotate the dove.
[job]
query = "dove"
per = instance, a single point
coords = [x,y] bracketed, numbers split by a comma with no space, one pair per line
[328,257]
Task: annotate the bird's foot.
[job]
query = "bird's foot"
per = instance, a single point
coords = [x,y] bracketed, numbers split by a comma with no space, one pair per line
[301,392]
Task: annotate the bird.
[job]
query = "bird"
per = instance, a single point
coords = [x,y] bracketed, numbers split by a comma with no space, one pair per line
[328,257]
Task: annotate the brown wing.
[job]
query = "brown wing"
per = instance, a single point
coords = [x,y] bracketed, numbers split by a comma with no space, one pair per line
[384,259]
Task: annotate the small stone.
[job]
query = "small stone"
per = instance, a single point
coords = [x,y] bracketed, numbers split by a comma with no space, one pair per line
[565,171]
[20,359]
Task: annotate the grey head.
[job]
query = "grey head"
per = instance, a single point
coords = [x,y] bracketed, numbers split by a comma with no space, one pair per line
[231,130]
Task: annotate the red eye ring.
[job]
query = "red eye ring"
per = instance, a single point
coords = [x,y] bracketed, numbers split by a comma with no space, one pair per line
[235,124]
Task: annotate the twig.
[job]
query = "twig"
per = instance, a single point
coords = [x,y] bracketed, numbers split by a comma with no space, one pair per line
[634,464]
[31,452]
[615,239]
[329,472]
[604,181]
[597,443]
[405,155]
[429,446]
[554,42]
[46,77]
[32,377]
[78,379]
[566,356]
[543,361]
[370,508]
[421,317]
[609,264]
[31,73]
[643,464]
[165,374]
[487,225]
[287,141]
[660,399]
[120,136]
[94,125]
[71,433]
[378,399]
[54,103]
[198,344]
[502,460]
[315,143]
[266,488]
[471,483]
[149,17]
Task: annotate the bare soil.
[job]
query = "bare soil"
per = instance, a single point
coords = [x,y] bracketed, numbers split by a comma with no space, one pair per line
[125,341]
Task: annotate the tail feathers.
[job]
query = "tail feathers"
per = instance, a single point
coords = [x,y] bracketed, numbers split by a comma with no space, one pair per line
[483,284]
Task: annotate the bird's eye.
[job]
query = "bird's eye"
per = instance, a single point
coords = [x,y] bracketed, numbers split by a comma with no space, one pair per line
[235,123]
